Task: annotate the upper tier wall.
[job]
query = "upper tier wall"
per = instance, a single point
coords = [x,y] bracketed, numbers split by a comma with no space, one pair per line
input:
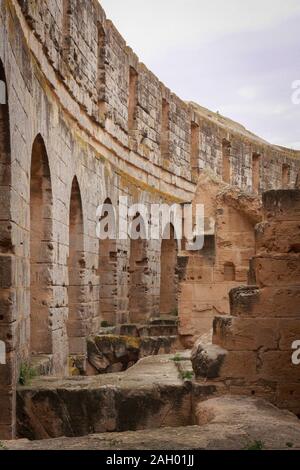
[94,63]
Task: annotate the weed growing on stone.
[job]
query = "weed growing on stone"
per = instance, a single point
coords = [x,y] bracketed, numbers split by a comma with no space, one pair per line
[27,373]
[177,358]
[256,445]
[187,375]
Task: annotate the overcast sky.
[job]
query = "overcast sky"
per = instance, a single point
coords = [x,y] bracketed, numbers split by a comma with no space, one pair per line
[238,57]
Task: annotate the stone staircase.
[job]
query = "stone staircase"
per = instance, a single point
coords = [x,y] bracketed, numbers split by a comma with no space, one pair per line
[116,348]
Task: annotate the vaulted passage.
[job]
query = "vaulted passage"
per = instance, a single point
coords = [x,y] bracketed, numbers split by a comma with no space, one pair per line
[168,276]
[77,321]
[107,270]
[41,250]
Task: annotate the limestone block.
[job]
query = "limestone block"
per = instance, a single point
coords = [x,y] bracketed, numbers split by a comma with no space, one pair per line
[282,270]
[278,237]
[239,364]
[277,366]
[265,302]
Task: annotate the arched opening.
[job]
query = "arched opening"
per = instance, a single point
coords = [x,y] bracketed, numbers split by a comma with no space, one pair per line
[195,147]
[255,172]
[41,249]
[229,272]
[168,275]
[76,319]
[138,273]
[226,156]
[132,98]
[107,268]
[285,177]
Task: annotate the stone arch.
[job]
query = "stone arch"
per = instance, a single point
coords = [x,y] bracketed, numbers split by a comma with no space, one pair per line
[168,274]
[107,270]
[77,321]
[41,249]
[138,273]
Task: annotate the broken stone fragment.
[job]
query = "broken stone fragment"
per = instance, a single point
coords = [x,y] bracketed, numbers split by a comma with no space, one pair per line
[207,360]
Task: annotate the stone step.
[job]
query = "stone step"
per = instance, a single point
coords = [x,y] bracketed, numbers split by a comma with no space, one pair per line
[274,301]
[115,353]
[129,329]
[41,364]
[77,406]
[164,320]
[158,330]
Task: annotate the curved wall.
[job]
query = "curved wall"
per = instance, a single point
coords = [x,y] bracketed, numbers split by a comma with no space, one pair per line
[71,80]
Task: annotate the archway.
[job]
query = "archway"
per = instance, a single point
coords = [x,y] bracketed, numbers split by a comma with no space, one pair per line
[107,269]
[40,249]
[138,273]
[76,319]
[168,275]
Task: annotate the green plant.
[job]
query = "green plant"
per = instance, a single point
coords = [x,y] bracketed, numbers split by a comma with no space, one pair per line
[177,358]
[105,324]
[2,446]
[289,444]
[187,375]
[27,373]
[256,445]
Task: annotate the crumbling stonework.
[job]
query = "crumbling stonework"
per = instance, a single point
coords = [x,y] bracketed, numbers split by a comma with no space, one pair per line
[252,348]
[223,263]
[85,122]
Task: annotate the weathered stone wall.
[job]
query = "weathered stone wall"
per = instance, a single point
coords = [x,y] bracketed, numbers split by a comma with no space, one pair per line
[67,73]
[243,145]
[223,263]
[252,348]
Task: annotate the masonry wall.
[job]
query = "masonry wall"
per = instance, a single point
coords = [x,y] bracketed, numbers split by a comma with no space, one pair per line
[67,77]
[208,275]
[257,338]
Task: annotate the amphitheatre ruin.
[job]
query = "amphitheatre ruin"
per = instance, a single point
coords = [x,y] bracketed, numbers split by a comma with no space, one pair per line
[108,342]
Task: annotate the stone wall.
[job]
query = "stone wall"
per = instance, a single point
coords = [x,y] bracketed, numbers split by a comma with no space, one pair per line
[102,131]
[252,348]
[223,263]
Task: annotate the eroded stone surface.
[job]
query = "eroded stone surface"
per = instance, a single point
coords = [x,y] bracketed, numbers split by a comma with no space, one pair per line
[148,395]
[224,423]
